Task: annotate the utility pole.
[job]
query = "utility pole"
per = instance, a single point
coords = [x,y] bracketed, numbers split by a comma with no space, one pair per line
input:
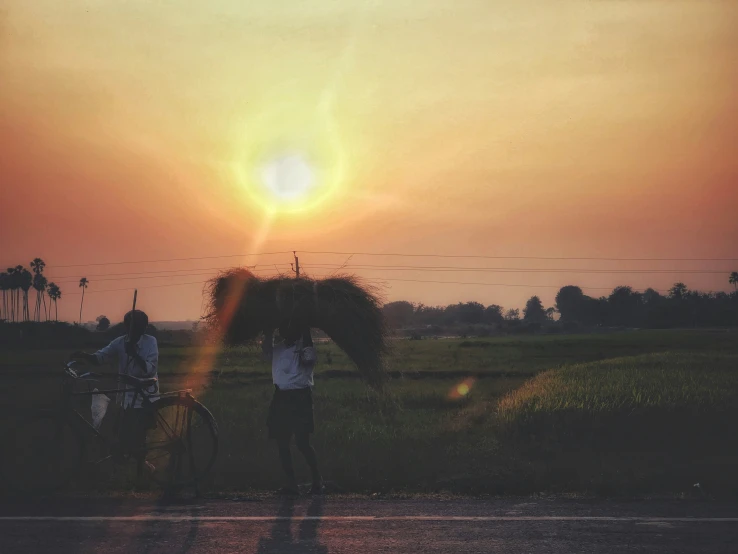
[296,265]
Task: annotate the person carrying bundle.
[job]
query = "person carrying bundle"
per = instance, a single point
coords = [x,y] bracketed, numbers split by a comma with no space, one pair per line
[293,358]
[243,307]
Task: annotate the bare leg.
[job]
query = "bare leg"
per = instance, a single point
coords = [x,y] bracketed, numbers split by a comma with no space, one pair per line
[303,444]
[285,457]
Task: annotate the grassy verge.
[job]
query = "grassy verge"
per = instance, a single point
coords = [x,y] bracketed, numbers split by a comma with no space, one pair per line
[657,422]
[595,419]
[666,382]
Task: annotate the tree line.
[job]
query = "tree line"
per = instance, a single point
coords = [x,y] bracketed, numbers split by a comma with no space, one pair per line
[15,286]
[623,307]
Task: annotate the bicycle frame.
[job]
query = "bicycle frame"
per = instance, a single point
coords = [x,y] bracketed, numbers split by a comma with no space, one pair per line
[68,392]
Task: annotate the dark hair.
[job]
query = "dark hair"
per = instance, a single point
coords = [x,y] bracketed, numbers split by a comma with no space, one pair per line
[140,320]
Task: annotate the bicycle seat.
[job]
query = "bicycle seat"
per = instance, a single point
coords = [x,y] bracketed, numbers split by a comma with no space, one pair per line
[136,381]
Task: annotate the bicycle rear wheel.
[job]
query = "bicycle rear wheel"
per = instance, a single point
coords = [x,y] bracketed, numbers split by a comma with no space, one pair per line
[182,443]
[43,453]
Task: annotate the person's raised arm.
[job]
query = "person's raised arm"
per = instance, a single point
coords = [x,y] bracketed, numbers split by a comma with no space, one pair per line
[148,359]
[104,355]
[308,355]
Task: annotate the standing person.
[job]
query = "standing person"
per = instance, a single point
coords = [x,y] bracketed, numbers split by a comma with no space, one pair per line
[137,355]
[293,358]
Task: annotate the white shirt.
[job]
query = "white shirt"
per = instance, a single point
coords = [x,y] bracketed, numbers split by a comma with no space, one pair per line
[147,348]
[292,366]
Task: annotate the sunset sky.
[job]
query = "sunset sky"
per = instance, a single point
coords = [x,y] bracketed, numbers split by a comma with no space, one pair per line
[139,131]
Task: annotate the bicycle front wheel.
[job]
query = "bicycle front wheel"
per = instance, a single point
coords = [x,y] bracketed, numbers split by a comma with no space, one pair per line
[181,442]
[44,453]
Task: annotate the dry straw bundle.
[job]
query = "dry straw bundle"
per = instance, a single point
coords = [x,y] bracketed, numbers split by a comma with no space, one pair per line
[243,306]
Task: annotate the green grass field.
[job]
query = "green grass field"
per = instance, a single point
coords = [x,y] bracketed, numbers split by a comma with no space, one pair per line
[647,411]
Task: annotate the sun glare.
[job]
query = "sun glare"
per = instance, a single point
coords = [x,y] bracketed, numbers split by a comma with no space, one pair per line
[289,163]
[288,177]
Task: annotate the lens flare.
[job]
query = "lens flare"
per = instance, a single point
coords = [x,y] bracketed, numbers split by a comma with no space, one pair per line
[462,390]
[198,367]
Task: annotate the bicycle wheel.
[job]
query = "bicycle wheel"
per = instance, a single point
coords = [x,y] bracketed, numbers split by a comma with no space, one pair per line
[182,443]
[44,452]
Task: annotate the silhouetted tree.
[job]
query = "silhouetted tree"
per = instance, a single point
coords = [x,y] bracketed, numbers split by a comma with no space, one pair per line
[494,315]
[624,306]
[470,312]
[398,314]
[103,323]
[678,291]
[428,315]
[733,280]
[512,315]
[570,302]
[83,282]
[14,287]
[533,311]
[54,295]
[26,282]
[39,284]
[4,288]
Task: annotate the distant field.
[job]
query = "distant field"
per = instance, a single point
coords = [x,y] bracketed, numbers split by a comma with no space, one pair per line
[529,354]
[643,411]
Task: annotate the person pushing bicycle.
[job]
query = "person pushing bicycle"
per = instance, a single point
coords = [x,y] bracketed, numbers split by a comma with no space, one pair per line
[137,355]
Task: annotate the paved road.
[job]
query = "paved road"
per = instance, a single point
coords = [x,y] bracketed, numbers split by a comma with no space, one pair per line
[330,525]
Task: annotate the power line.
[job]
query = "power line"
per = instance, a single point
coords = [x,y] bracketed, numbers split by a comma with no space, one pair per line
[268,267]
[375,279]
[176,259]
[491,284]
[250,268]
[138,287]
[521,257]
[208,271]
[519,269]
[204,272]
[406,255]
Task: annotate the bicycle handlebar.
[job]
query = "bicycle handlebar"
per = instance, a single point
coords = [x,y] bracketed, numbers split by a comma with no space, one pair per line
[130,379]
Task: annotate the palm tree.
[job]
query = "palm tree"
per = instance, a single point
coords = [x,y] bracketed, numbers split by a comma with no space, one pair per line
[39,283]
[26,282]
[83,282]
[733,279]
[38,265]
[4,287]
[14,287]
[54,295]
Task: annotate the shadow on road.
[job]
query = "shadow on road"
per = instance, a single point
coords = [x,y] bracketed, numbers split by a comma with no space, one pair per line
[150,538]
[280,539]
[191,536]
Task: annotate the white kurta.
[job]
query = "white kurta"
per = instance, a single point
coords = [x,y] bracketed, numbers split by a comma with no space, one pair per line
[148,349]
[292,366]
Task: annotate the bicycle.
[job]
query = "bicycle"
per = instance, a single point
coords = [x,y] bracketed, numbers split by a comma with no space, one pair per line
[175,437]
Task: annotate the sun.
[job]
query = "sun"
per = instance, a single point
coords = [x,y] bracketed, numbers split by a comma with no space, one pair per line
[289,177]
[287,162]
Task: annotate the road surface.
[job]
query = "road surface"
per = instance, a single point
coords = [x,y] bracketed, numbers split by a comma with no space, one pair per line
[334,525]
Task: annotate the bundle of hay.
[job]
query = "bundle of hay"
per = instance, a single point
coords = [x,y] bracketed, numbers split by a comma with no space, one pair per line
[243,306]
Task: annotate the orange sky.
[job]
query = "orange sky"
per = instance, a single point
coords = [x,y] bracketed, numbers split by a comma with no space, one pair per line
[133,130]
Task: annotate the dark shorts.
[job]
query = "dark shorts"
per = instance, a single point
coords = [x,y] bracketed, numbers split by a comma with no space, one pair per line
[134,424]
[290,413]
